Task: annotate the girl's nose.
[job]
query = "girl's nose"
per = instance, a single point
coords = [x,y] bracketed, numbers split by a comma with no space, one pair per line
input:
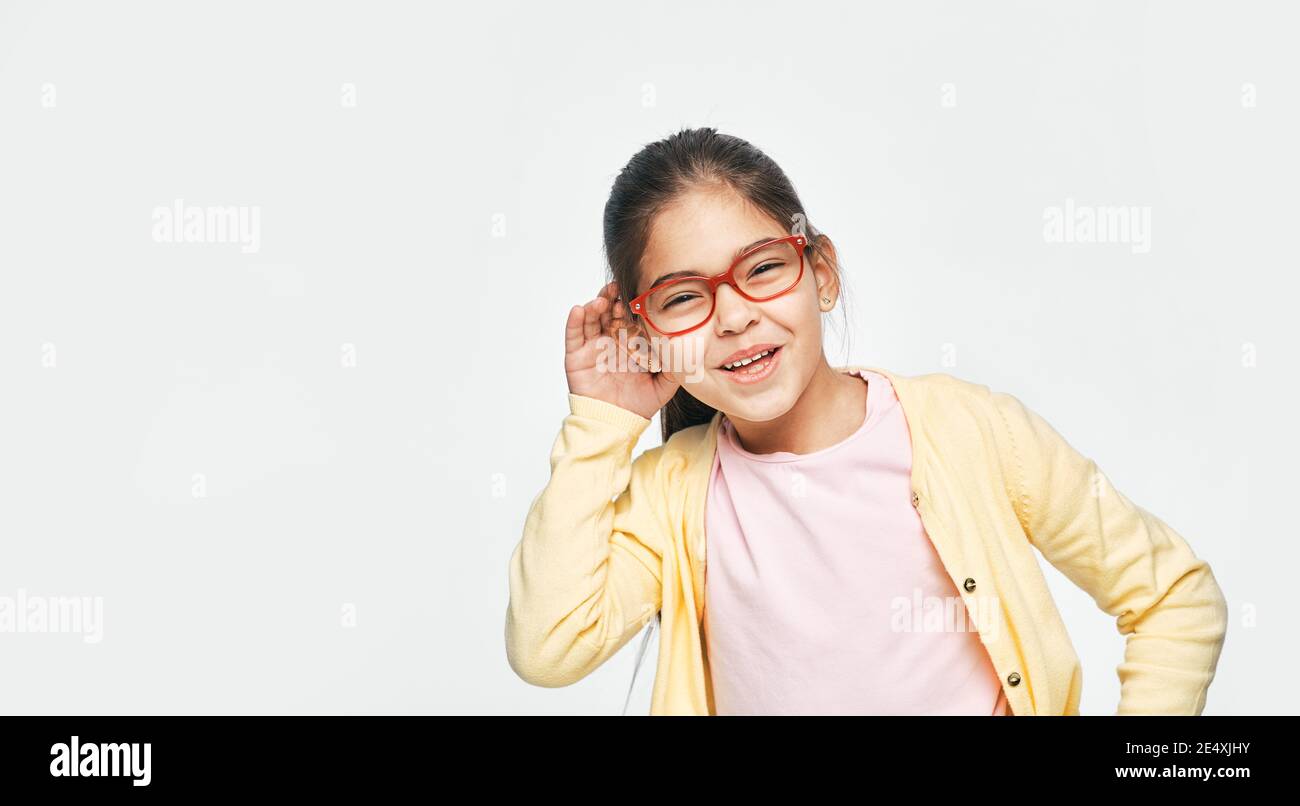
[732,313]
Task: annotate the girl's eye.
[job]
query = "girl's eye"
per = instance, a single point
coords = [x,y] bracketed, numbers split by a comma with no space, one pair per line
[679,298]
[759,269]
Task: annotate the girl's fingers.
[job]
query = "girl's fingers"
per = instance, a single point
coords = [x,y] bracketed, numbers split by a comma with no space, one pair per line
[573,329]
[592,324]
[612,310]
[598,316]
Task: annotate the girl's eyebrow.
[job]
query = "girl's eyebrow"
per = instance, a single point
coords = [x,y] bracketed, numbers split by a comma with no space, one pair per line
[735,255]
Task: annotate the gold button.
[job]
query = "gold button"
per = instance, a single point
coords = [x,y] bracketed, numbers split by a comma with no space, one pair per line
[916,499]
[969,584]
[1013,679]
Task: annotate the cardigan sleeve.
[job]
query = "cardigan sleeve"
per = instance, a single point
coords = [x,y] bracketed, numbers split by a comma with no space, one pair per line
[1134,566]
[586,575]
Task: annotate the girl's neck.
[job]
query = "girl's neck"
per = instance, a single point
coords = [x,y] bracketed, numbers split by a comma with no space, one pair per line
[831,409]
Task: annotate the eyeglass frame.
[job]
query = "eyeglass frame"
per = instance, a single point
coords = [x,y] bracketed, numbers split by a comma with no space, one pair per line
[638,304]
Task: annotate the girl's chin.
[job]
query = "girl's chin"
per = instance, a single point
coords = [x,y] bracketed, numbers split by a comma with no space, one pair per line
[756,410]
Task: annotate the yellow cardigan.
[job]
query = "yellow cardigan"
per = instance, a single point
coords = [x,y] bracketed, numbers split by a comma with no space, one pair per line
[611,541]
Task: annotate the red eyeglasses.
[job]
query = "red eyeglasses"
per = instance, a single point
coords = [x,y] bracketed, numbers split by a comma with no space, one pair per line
[767,271]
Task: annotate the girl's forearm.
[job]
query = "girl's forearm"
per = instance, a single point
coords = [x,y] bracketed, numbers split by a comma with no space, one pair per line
[585,576]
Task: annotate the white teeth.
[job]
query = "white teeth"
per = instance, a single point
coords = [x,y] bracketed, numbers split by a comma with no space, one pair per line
[742,362]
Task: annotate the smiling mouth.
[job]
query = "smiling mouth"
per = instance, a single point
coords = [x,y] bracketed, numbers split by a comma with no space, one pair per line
[744,365]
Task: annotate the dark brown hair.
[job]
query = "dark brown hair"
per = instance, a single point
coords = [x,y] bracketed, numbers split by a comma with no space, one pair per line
[657,175]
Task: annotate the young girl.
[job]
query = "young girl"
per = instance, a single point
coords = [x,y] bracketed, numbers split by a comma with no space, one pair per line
[817,539]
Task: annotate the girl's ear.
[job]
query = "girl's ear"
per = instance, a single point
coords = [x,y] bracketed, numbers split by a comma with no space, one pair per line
[825,272]
[638,343]
[649,344]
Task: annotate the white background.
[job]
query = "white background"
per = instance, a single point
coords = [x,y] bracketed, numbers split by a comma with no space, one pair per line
[440,229]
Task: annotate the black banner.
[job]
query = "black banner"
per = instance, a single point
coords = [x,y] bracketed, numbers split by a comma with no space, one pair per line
[138,755]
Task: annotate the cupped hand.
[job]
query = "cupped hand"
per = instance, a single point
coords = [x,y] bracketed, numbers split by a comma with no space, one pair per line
[598,366]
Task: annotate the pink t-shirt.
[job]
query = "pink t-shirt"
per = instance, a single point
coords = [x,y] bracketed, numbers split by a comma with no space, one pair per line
[817,565]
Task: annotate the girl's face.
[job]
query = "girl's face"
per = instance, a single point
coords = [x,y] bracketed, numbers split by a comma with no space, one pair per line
[703,232]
